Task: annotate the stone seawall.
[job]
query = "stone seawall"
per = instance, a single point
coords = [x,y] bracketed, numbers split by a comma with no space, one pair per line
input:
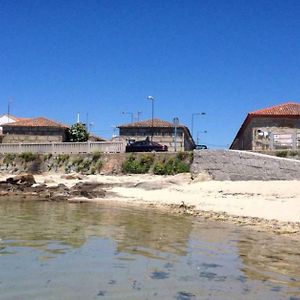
[243,165]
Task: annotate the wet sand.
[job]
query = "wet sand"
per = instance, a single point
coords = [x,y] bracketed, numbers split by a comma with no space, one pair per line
[274,205]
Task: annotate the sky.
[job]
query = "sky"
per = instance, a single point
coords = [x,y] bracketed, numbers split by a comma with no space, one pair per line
[102,58]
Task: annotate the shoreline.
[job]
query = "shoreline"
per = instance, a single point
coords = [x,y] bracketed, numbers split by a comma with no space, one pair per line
[269,205]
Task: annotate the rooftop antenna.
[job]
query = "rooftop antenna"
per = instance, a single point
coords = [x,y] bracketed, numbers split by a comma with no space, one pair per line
[8,107]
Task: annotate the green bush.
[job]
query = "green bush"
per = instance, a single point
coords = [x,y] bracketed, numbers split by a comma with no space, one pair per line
[77,160]
[293,153]
[62,158]
[282,153]
[159,168]
[138,166]
[28,156]
[171,167]
[98,165]
[9,158]
[96,156]
[182,155]
[84,166]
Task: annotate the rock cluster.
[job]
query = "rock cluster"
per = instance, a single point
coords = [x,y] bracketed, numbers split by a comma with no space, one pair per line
[25,187]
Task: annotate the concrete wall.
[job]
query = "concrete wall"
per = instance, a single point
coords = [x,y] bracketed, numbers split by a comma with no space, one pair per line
[242,165]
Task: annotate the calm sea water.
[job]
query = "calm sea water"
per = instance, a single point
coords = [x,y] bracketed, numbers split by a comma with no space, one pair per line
[92,251]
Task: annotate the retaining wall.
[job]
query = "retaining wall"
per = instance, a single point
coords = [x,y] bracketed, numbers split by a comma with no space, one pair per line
[243,165]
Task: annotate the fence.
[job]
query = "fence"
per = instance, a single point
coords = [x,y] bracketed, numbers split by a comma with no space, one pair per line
[64,148]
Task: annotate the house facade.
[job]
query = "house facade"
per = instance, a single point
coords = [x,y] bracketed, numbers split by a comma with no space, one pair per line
[34,130]
[273,128]
[6,118]
[160,131]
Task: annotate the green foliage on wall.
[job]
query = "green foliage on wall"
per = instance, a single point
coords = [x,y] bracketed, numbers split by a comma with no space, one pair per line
[138,166]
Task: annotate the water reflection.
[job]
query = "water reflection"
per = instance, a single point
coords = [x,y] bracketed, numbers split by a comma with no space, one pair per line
[35,224]
[70,251]
[270,258]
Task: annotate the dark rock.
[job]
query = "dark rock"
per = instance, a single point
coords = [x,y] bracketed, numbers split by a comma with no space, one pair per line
[25,180]
[87,189]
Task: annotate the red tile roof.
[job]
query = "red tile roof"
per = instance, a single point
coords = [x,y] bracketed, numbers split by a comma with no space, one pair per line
[148,123]
[285,109]
[13,117]
[36,122]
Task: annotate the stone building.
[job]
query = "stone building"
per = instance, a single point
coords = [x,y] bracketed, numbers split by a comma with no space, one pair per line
[8,118]
[163,132]
[273,128]
[35,130]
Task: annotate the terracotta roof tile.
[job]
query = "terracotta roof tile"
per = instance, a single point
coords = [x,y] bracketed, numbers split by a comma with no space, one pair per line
[285,109]
[148,123]
[36,122]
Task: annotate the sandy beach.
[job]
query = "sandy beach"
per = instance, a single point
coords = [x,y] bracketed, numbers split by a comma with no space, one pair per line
[272,204]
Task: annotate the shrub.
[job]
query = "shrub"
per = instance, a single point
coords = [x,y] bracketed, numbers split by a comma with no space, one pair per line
[84,166]
[135,166]
[9,158]
[98,165]
[62,158]
[77,160]
[159,168]
[96,156]
[28,156]
[182,155]
[293,153]
[171,167]
[282,153]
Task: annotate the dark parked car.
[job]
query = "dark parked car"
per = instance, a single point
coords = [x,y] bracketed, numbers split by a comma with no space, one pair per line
[145,146]
[200,147]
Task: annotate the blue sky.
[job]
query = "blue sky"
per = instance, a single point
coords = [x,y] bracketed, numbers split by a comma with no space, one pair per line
[225,58]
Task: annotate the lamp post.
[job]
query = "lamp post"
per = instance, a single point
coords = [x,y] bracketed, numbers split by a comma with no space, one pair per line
[176,123]
[138,115]
[204,131]
[151,98]
[193,115]
[128,113]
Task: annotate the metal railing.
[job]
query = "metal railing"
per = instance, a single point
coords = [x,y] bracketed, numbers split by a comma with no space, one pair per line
[64,148]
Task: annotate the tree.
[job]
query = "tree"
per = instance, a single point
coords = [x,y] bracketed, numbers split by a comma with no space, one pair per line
[78,133]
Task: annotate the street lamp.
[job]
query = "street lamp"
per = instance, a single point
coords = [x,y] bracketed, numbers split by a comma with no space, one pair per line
[176,123]
[193,115]
[151,98]
[128,113]
[204,131]
[138,115]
